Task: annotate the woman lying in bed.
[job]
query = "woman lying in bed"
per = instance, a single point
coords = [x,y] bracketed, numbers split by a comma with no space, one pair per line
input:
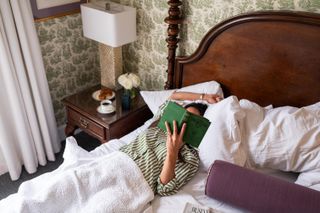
[164,160]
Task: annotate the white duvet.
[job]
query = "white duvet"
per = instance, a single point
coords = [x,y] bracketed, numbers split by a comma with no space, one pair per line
[111,183]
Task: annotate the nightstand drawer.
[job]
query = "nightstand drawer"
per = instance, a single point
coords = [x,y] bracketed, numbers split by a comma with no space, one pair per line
[86,124]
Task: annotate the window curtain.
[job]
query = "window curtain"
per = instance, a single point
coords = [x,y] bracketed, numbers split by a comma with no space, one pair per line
[28,130]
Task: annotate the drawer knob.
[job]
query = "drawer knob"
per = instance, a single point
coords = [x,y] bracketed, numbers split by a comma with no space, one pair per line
[83,122]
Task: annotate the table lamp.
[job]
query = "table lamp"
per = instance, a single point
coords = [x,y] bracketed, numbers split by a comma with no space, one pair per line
[112,25]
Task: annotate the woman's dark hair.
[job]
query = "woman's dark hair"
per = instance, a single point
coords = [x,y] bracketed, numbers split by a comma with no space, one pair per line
[200,107]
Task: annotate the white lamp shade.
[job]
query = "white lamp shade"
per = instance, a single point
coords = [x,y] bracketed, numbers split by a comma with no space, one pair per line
[114,27]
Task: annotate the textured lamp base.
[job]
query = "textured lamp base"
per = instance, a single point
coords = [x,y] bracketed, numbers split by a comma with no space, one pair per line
[111,65]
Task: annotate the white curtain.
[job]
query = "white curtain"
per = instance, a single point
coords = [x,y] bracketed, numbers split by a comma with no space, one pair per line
[28,130]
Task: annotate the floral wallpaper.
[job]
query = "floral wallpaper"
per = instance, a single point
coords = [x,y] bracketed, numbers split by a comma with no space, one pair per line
[214,11]
[72,61]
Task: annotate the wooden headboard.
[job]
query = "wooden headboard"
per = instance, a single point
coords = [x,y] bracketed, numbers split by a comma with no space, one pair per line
[266,57]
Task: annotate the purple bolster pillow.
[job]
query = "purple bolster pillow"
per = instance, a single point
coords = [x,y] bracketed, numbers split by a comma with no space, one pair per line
[258,192]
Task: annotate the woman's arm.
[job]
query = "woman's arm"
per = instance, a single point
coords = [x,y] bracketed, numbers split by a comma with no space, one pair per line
[210,98]
[175,173]
[174,143]
[184,170]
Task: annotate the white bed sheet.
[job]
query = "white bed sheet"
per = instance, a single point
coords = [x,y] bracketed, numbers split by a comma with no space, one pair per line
[192,192]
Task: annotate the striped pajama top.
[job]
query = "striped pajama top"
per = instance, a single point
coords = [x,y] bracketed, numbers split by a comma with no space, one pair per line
[149,152]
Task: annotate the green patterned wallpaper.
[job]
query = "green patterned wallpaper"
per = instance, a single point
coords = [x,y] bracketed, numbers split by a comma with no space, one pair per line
[214,11]
[72,62]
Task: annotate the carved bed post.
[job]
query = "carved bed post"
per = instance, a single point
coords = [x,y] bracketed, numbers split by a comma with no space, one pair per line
[174,19]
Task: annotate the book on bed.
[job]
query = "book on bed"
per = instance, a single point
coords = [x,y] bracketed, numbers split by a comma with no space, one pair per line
[196,125]
[196,208]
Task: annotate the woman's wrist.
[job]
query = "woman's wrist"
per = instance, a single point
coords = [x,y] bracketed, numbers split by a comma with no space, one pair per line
[201,97]
[205,97]
[172,157]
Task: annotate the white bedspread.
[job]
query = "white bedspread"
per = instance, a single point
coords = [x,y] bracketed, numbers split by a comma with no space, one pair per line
[84,185]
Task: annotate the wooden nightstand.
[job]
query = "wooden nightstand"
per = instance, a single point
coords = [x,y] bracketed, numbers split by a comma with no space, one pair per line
[82,113]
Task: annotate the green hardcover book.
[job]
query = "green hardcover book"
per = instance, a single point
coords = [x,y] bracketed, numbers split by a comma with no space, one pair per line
[196,125]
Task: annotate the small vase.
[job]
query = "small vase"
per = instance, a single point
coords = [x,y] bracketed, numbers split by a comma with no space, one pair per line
[126,100]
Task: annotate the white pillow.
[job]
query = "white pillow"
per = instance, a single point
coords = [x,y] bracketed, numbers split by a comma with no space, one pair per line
[254,115]
[154,99]
[287,138]
[222,140]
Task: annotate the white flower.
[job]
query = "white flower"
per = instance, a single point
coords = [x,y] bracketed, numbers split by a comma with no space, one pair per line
[129,80]
[134,79]
[125,81]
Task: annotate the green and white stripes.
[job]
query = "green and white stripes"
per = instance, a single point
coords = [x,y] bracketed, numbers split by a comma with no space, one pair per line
[149,152]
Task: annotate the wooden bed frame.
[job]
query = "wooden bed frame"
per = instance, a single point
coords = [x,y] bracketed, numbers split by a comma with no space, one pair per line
[266,57]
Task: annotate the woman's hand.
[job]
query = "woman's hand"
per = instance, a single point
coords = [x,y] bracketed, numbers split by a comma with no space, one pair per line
[174,140]
[212,98]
